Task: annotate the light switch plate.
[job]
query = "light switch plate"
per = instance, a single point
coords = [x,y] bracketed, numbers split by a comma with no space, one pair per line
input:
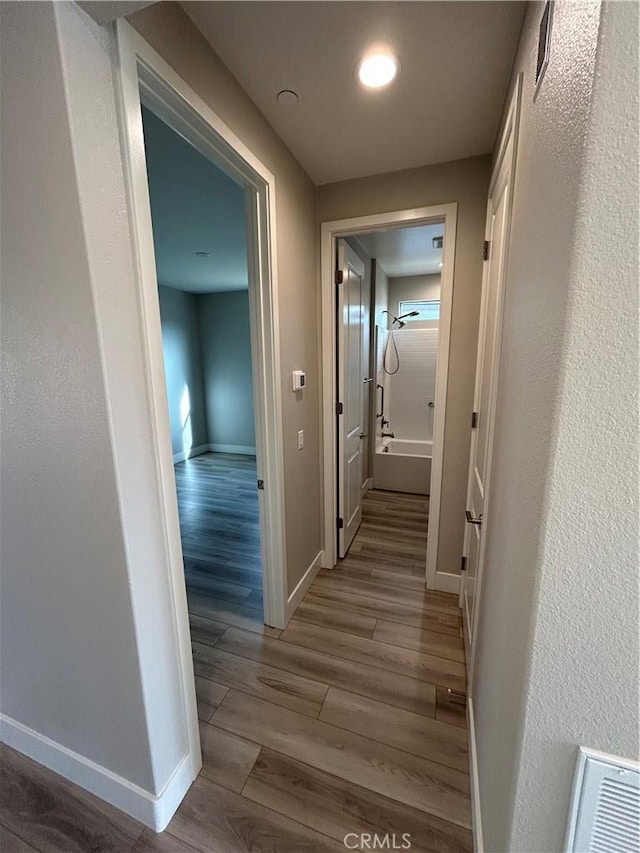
[300,439]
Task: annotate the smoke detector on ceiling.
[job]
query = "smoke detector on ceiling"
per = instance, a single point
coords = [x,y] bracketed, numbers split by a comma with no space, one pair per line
[287,97]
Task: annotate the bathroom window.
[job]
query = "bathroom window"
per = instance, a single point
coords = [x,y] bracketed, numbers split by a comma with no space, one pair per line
[428,309]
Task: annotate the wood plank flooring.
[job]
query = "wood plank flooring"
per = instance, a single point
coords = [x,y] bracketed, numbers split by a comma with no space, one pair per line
[220,528]
[343,723]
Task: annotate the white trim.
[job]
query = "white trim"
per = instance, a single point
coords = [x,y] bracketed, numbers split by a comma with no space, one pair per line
[330,232]
[142,69]
[154,811]
[508,146]
[142,73]
[368,484]
[240,449]
[189,454]
[476,811]
[304,583]
[447,582]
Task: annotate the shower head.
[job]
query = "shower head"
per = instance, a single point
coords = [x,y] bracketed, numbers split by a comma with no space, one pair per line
[399,319]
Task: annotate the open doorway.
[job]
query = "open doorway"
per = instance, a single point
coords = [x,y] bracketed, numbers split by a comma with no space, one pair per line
[200,241]
[390,351]
[145,80]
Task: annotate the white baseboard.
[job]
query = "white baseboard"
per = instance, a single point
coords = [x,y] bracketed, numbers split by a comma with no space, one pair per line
[233,448]
[448,582]
[195,451]
[326,562]
[304,583]
[368,484]
[153,810]
[476,814]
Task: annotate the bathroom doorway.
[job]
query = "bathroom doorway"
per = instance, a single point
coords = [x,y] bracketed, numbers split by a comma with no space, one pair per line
[390,311]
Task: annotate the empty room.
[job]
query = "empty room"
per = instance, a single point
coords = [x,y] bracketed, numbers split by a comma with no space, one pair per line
[199,231]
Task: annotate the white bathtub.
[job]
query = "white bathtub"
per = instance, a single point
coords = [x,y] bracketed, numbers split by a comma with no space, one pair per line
[403,466]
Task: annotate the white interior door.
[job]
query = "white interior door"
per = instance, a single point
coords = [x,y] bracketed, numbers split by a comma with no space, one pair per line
[351,430]
[497,228]
[367,381]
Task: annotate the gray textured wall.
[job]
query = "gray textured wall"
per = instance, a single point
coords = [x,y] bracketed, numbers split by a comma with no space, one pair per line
[557,652]
[226,357]
[183,369]
[74,400]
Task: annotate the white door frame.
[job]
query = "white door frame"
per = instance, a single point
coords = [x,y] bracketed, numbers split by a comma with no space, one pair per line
[507,146]
[142,70]
[330,232]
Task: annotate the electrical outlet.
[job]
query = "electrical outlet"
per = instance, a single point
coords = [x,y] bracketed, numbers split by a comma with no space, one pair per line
[300,439]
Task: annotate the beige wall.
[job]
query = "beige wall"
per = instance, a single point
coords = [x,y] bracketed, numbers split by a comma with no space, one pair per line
[90,676]
[166,27]
[557,652]
[465,182]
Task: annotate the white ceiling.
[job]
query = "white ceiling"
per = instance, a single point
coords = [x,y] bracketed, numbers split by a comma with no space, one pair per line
[195,207]
[405,251]
[445,104]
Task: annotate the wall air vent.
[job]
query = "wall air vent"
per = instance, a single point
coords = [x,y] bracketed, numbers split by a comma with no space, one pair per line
[605,805]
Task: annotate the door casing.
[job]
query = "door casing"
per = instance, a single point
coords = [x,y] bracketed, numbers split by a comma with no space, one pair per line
[350,434]
[507,147]
[329,233]
[143,76]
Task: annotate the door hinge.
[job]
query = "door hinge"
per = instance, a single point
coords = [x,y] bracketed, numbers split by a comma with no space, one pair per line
[463,564]
[339,408]
[340,523]
[261,485]
[485,250]
[474,420]
[339,276]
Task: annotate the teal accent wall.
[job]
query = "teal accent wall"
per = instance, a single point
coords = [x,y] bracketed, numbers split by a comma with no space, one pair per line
[226,357]
[183,369]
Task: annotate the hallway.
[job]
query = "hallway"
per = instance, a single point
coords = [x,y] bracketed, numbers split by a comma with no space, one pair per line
[340,724]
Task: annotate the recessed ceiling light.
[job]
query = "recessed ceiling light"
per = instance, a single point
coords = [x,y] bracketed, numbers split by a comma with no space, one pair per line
[202,254]
[377,70]
[287,97]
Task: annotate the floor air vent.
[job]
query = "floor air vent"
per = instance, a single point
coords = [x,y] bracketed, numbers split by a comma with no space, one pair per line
[605,805]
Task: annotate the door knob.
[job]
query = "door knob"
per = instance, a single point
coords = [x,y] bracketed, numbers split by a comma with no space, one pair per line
[472,520]
[363,435]
[367,380]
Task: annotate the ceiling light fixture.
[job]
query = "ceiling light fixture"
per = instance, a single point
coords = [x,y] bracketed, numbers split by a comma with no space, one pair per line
[377,70]
[202,254]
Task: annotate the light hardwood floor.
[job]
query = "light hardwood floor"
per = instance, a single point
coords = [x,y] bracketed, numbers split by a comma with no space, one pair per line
[342,723]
